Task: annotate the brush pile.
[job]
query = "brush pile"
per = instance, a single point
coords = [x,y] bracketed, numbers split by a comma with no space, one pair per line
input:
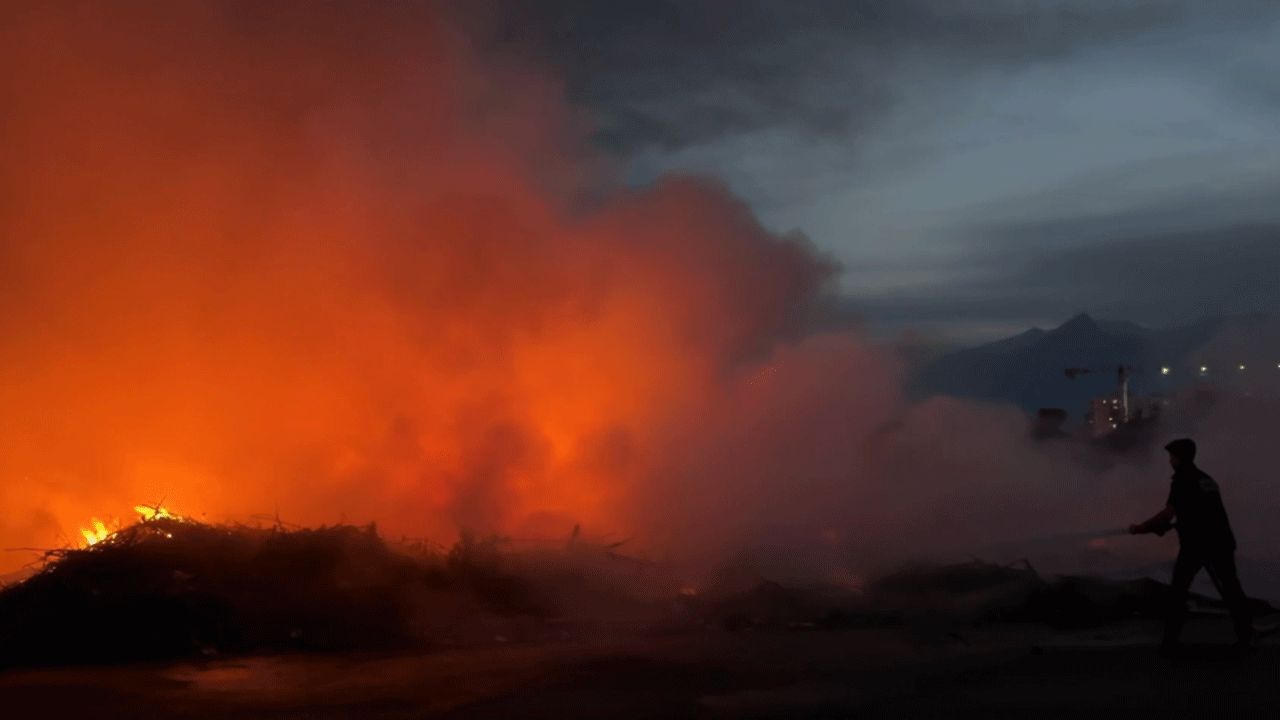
[170,588]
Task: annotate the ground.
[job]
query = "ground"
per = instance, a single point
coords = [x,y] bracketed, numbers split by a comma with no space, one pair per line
[1000,671]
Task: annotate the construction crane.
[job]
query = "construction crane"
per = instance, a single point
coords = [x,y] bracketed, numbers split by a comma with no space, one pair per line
[1123,373]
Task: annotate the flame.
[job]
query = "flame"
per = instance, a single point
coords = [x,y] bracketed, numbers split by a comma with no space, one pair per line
[147,513]
[95,533]
[99,530]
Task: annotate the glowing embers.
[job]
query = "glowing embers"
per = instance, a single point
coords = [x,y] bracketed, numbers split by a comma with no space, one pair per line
[100,531]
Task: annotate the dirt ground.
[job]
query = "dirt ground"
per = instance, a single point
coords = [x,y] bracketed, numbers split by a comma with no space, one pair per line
[997,672]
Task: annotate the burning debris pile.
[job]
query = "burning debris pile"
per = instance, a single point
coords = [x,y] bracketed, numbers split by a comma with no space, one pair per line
[168,587]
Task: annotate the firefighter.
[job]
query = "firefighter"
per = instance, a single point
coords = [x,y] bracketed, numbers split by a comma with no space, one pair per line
[1205,540]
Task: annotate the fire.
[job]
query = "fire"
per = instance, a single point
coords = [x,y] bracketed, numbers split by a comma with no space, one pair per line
[157,512]
[95,533]
[99,530]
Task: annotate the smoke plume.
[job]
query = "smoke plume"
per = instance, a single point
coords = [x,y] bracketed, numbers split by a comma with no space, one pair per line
[323,259]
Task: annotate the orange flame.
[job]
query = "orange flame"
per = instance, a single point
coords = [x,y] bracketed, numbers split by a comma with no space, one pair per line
[96,532]
[99,530]
[147,513]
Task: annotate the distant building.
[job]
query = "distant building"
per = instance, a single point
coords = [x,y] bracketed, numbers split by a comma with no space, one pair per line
[1110,413]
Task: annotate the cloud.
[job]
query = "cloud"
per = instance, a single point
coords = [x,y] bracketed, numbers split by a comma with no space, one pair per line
[670,74]
[1045,272]
[890,131]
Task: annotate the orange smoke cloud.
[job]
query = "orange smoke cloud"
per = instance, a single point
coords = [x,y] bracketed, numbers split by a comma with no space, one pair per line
[325,260]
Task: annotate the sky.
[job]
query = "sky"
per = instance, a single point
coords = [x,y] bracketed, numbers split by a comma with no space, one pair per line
[975,167]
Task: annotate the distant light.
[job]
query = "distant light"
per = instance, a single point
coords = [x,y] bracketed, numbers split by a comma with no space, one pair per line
[1164,371]
[1241,367]
[1113,426]
[1203,369]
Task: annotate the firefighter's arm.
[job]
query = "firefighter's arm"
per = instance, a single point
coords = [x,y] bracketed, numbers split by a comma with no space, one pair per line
[1160,523]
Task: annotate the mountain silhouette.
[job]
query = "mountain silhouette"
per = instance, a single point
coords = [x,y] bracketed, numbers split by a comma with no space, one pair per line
[1027,370]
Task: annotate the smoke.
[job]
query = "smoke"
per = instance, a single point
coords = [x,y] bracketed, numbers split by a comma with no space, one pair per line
[326,261]
[337,262]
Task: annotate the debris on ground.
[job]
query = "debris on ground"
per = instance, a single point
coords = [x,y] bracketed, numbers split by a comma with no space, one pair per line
[956,594]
